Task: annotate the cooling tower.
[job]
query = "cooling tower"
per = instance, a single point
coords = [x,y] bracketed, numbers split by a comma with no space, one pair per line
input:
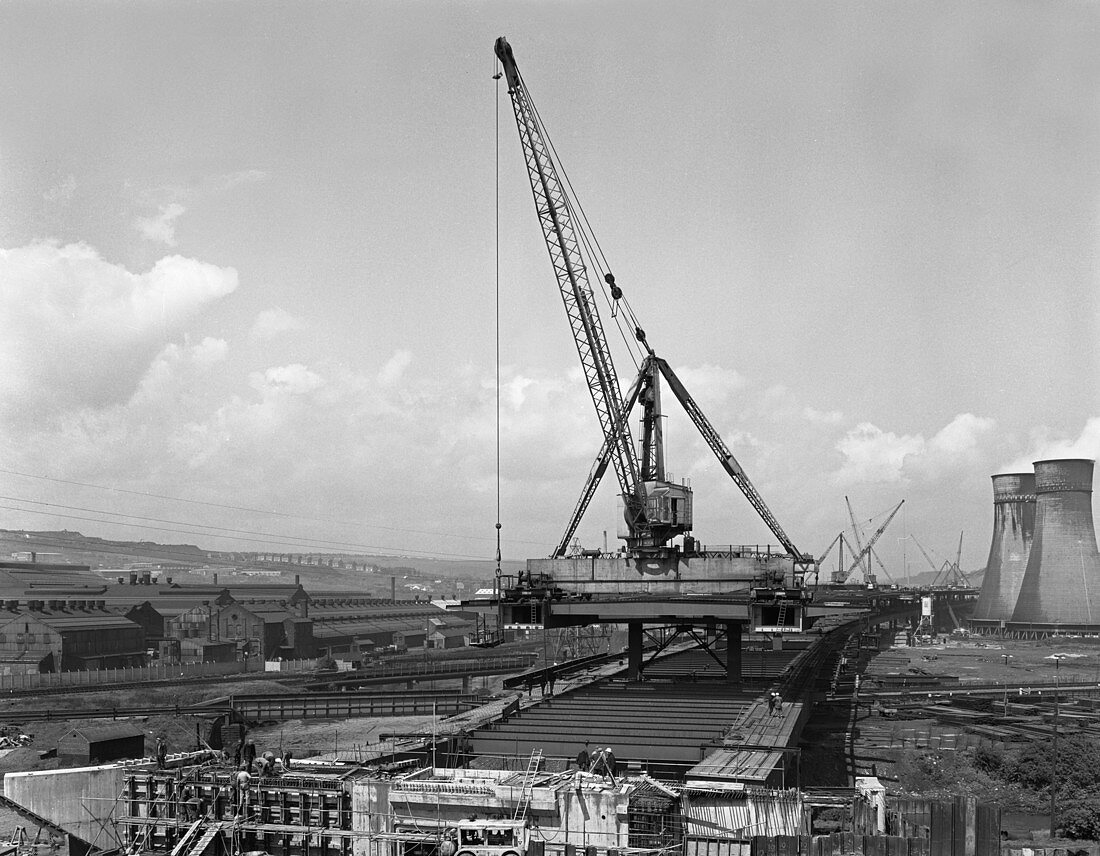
[1013,527]
[1062,581]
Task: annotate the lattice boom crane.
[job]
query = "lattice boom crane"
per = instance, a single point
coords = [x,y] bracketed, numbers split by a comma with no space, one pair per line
[655,510]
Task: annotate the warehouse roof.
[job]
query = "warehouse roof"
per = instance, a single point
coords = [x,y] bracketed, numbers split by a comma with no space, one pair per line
[62,621]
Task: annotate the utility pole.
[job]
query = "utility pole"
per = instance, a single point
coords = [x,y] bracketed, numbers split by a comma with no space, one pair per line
[1054,768]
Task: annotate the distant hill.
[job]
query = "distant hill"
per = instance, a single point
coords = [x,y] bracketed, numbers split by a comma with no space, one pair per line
[191,564]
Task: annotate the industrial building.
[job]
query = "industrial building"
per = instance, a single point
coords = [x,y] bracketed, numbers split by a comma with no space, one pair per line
[72,620]
[1043,574]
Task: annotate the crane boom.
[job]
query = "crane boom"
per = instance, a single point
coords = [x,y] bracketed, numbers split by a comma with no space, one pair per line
[555,213]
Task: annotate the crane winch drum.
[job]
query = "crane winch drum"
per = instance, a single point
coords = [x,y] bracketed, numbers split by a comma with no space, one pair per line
[1061,584]
[1013,530]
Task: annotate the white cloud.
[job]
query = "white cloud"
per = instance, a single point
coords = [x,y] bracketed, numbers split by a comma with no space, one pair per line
[874,455]
[822,417]
[81,331]
[395,367]
[294,379]
[273,322]
[961,436]
[162,227]
[1046,447]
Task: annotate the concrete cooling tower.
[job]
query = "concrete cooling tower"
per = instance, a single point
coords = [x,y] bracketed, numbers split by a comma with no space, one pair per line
[1013,527]
[1061,585]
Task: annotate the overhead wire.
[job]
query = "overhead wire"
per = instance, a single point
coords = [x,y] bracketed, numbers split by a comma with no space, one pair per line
[593,250]
[267,512]
[346,547]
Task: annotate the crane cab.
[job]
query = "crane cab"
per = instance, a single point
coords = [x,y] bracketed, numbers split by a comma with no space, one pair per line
[668,513]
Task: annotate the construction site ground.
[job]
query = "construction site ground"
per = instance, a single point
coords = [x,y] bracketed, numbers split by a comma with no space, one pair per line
[914,752]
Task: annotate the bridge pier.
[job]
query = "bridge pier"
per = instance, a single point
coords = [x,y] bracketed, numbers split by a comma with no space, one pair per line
[733,653]
[465,683]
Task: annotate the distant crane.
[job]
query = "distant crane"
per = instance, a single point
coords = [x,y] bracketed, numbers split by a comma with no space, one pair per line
[840,578]
[946,573]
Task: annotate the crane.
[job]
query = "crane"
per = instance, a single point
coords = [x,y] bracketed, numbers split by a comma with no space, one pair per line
[855,534]
[866,549]
[655,509]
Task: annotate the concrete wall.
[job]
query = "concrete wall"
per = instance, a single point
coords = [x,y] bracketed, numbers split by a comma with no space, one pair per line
[620,575]
[590,816]
[596,814]
[79,799]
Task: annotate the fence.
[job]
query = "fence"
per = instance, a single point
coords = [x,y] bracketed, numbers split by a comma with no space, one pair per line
[137,674]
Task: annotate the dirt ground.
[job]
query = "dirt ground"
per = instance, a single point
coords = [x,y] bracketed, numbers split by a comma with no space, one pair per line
[980,660]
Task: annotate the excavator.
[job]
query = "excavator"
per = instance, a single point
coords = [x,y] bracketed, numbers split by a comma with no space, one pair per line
[656,509]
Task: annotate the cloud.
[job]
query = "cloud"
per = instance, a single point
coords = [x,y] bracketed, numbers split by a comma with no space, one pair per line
[1046,447]
[960,437]
[873,455]
[294,379]
[395,367]
[228,181]
[822,417]
[81,331]
[161,228]
[271,323]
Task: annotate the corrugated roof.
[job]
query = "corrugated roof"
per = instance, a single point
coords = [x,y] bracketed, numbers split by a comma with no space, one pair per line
[100,621]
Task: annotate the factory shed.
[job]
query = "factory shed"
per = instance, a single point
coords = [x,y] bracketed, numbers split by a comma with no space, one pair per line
[207,651]
[449,637]
[97,641]
[98,744]
[27,644]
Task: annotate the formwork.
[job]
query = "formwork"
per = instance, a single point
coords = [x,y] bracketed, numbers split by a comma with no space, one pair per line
[285,815]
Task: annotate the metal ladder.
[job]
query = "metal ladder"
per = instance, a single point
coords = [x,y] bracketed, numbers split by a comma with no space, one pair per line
[528,782]
[782,620]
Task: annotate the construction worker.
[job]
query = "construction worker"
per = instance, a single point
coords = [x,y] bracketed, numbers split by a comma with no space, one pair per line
[610,763]
[240,794]
[249,754]
[582,758]
[162,752]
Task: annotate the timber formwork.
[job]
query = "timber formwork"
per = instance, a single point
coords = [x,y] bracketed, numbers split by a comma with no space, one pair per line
[287,815]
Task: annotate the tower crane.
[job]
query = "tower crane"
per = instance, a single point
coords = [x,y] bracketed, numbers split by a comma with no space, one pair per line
[655,509]
[866,549]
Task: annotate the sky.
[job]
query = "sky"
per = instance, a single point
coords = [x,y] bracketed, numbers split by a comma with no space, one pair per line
[258,261]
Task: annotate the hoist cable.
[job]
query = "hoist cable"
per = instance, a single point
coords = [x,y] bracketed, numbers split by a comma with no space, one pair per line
[496,113]
[588,241]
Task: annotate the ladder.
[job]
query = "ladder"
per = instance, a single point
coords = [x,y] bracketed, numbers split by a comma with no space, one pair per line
[781,621]
[533,764]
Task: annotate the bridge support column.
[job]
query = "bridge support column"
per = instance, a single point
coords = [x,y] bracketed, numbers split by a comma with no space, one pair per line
[733,653]
[634,651]
[465,683]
